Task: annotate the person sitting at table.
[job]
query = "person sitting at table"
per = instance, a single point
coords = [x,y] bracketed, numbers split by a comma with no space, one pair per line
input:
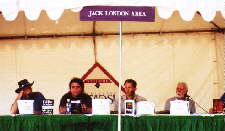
[130,86]
[25,93]
[76,95]
[181,94]
[223,97]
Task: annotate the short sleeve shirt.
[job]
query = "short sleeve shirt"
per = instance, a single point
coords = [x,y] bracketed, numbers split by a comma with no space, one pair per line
[38,100]
[137,98]
[84,99]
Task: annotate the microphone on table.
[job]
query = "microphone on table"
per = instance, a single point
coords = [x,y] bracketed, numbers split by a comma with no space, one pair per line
[188,98]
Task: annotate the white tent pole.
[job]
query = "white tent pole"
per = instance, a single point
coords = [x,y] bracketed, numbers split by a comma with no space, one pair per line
[224,61]
[120,80]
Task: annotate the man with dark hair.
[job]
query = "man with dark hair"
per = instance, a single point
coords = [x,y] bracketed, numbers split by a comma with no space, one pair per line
[76,95]
[133,82]
[25,93]
[130,86]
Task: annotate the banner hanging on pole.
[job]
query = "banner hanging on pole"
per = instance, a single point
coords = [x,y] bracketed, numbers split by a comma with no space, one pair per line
[118,13]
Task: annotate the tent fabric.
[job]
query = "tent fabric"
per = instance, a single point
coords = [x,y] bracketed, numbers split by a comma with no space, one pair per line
[69,23]
[156,61]
[55,8]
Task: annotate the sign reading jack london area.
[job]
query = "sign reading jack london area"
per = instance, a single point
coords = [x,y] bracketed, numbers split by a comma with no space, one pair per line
[118,13]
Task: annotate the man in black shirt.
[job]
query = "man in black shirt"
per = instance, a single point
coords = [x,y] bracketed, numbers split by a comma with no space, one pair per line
[25,93]
[81,102]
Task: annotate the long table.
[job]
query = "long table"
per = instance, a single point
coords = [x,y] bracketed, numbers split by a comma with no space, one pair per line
[109,123]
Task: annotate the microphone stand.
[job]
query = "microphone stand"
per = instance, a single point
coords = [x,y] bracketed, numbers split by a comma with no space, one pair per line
[190,98]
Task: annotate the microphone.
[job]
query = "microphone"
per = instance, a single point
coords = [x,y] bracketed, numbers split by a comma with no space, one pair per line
[187,97]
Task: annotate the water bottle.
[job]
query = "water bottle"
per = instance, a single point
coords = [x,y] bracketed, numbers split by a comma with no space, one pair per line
[68,106]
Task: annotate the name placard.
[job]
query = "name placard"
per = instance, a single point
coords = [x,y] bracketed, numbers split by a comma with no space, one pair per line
[179,107]
[25,106]
[145,107]
[101,106]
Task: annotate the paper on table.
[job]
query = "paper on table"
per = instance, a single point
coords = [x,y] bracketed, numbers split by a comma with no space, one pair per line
[145,107]
[179,107]
[25,106]
[101,106]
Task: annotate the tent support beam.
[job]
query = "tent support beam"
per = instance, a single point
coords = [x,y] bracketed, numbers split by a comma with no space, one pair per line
[213,23]
[94,41]
[218,28]
[105,34]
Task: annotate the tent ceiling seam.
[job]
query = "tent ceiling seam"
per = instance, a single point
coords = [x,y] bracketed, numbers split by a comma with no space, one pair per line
[105,34]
